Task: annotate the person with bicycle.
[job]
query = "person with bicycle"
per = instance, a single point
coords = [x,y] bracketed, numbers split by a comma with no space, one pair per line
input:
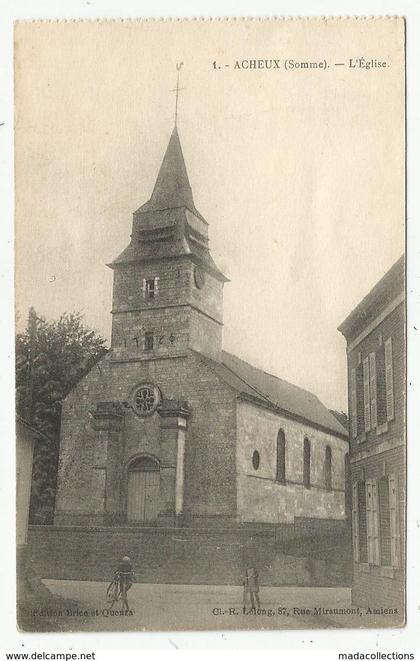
[123,580]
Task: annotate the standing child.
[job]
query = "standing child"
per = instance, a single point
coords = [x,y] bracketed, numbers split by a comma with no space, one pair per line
[252,587]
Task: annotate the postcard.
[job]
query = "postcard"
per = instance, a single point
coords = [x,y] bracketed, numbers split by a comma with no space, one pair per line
[210,324]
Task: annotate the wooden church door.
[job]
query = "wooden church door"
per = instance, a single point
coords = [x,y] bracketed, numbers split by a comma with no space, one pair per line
[143,490]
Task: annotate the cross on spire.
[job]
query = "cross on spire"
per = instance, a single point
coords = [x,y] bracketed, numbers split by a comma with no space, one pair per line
[177,89]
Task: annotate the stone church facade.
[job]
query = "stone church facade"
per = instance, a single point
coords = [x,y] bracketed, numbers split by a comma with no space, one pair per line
[170,430]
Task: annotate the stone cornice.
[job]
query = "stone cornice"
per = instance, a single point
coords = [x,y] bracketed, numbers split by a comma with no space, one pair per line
[146,308]
[377,449]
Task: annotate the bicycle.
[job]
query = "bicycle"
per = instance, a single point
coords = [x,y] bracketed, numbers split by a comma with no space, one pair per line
[118,588]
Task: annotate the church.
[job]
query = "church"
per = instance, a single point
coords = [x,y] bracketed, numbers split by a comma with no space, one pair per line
[168,429]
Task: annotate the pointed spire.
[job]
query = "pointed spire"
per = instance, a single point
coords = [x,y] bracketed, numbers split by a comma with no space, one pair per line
[161,227]
[172,188]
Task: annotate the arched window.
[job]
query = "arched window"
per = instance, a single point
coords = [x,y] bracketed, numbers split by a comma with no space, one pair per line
[281,457]
[256,459]
[143,464]
[306,463]
[327,468]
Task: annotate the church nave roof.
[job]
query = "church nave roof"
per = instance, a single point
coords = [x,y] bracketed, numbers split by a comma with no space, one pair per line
[259,385]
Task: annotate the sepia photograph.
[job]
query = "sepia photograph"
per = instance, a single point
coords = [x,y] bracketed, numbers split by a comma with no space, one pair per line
[210,324]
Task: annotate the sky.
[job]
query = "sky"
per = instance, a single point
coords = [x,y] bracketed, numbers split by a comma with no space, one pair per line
[300,173]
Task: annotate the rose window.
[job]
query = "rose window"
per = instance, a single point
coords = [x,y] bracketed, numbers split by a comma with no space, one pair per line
[145,400]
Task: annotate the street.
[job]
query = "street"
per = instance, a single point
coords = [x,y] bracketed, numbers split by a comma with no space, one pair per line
[186,607]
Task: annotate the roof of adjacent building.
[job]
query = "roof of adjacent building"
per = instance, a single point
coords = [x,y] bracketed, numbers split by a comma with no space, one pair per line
[276,393]
[383,293]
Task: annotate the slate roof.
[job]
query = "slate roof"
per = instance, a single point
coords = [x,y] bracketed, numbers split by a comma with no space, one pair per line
[389,286]
[172,188]
[255,384]
[179,245]
[162,226]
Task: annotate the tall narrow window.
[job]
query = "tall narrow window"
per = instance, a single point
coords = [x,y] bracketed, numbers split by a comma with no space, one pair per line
[353,402]
[380,385]
[355,524]
[373,391]
[362,521]
[372,522]
[148,341]
[347,483]
[394,520]
[327,468]
[389,380]
[281,457]
[360,398]
[384,521]
[306,463]
[366,393]
[150,287]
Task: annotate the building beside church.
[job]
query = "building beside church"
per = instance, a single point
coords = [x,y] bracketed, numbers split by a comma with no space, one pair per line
[26,437]
[375,334]
[168,429]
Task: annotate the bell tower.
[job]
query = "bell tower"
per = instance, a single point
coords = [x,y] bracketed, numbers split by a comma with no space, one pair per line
[168,292]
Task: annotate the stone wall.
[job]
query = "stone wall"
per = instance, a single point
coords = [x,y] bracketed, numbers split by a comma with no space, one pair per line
[179,555]
[170,328]
[180,315]
[174,284]
[204,335]
[260,497]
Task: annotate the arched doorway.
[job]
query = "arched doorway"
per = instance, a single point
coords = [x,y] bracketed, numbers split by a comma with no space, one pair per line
[143,490]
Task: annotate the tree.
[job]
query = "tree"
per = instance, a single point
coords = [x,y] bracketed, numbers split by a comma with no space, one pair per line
[51,357]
